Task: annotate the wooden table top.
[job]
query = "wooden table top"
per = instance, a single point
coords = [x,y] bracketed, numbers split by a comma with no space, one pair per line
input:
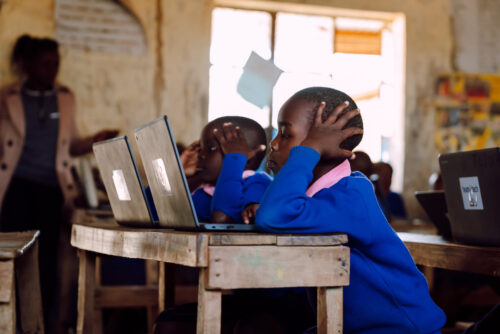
[14,244]
[433,251]
[104,235]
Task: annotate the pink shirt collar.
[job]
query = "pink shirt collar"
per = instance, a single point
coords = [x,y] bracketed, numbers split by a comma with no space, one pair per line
[330,178]
[208,189]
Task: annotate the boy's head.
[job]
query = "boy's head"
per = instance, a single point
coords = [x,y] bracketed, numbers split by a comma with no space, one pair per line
[296,117]
[211,156]
[362,163]
[384,172]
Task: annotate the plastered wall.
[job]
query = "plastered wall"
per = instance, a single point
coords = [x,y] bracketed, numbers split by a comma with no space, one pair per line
[126,91]
[477,35]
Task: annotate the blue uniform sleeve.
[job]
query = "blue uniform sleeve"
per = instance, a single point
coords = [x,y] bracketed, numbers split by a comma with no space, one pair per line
[201,201]
[254,188]
[285,207]
[151,203]
[232,192]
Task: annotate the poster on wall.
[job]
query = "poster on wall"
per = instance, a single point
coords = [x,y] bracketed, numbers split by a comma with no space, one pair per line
[467,112]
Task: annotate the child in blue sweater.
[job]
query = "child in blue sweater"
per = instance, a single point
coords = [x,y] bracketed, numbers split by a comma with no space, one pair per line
[222,167]
[318,129]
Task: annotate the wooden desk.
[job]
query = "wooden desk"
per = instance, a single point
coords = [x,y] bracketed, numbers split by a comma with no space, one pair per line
[226,261]
[433,251]
[19,265]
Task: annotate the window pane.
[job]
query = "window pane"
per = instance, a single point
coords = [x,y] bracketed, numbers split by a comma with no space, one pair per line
[356,75]
[235,33]
[226,101]
[303,42]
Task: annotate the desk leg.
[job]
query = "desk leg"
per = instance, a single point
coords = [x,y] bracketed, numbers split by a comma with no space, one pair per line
[429,276]
[29,294]
[7,297]
[166,286]
[86,280]
[330,314]
[209,307]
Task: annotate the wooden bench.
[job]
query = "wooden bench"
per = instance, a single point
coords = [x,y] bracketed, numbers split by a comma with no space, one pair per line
[226,261]
[19,264]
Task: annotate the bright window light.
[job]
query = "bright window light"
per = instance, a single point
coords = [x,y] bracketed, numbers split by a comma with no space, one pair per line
[304,50]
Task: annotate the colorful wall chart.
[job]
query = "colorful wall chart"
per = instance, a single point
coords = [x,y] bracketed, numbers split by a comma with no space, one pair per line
[467,112]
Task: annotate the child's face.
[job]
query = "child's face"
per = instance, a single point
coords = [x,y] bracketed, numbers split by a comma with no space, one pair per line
[294,121]
[210,157]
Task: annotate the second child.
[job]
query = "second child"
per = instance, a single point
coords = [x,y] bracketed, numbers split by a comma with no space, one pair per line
[220,168]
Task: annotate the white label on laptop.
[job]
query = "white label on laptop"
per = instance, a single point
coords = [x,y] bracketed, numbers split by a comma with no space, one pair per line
[120,185]
[161,177]
[471,193]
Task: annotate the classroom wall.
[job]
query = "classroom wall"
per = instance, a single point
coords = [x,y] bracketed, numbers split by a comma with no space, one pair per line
[126,91]
[477,35]
[122,90]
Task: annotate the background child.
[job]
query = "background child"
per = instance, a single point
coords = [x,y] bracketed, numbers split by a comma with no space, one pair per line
[362,163]
[394,201]
[230,149]
[387,294]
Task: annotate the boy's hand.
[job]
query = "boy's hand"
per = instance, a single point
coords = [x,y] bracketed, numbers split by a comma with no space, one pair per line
[105,134]
[232,140]
[189,158]
[248,213]
[326,137]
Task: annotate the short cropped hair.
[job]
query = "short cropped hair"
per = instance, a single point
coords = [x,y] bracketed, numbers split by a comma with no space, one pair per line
[253,131]
[333,98]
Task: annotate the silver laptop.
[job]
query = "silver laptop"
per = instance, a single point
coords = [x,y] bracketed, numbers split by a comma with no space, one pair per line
[123,184]
[167,181]
[472,186]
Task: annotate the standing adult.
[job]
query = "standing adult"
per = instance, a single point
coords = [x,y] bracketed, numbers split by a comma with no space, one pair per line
[38,134]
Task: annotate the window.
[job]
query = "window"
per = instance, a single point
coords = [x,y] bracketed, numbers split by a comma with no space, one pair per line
[354,55]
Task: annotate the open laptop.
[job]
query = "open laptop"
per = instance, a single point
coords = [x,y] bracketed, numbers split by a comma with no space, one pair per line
[434,204]
[122,182]
[472,187]
[167,181]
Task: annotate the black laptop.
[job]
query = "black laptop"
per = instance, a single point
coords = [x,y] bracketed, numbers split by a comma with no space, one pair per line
[434,204]
[472,186]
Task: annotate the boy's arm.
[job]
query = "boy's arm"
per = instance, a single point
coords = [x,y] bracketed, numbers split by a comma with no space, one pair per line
[229,190]
[233,193]
[229,196]
[201,202]
[286,208]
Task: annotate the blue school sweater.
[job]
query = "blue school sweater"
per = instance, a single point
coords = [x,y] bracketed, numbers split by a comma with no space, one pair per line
[387,294]
[232,192]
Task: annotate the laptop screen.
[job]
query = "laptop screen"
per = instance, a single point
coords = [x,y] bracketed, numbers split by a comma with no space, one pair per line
[471,182]
[122,182]
[165,175]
